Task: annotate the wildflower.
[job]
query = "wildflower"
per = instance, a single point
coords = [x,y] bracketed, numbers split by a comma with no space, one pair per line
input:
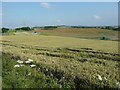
[118,84]
[105,78]
[46,69]
[99,77]
[29,73]
[32,65]
[17,65]
[60,86]
[51,75]
[22,65]
[30,60]
[19,61]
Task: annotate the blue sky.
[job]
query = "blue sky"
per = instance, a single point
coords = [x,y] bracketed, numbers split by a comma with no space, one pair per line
[60,13]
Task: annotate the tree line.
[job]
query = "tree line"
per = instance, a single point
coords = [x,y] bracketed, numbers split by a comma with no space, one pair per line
[5,30]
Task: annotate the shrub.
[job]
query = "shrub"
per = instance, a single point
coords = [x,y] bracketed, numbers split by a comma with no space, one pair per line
[104,38]
[24,28]
[4,30]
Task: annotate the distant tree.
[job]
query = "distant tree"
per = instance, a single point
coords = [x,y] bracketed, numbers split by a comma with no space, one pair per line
[24,28]
[117,29]
[76,27]
[49,27]
[18,29]
[4,30]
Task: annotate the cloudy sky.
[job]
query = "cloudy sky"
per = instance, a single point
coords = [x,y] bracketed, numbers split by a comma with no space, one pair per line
[60,13]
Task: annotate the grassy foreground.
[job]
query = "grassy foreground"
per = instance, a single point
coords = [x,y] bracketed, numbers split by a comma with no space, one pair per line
[25,77]
[61,62]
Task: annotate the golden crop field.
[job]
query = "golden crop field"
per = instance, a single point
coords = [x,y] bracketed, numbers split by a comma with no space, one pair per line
[61,62]
[88,33]
[56,41]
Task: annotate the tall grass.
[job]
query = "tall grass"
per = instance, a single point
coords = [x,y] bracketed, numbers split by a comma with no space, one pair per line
[60,62]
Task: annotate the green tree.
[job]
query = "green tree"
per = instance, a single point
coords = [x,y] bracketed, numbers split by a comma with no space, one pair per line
[24,28]
[4,30]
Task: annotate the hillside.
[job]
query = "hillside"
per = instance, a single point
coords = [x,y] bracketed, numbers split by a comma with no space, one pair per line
[88,33]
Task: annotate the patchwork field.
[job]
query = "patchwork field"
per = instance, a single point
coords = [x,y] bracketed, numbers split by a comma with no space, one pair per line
[61,62]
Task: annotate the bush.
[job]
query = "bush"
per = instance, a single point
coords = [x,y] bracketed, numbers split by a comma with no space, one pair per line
[24,28]
[104,38]
[49,27]
[4,30]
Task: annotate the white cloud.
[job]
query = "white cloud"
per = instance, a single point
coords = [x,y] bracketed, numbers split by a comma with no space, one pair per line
[96,17]
[45,5]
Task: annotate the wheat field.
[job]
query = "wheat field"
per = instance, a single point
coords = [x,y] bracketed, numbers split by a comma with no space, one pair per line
[61,62]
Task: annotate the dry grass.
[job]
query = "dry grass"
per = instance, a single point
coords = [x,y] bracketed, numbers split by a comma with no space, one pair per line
[56,41]
[92,33]
[78,60]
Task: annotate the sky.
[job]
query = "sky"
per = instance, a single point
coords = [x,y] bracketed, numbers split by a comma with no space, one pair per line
[60,0]
[18,14]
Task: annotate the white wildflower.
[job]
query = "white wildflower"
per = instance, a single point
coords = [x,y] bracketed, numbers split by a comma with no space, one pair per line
[32,65]
[22,65]
[60,86]
[99,77]
[19,61]
[105,78]
[51,75]
[38,69]
[118,84]
[17,65]
[30,60]
[46,69]
[29,73]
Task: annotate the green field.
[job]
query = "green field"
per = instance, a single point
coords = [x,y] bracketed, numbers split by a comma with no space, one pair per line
[63,60]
